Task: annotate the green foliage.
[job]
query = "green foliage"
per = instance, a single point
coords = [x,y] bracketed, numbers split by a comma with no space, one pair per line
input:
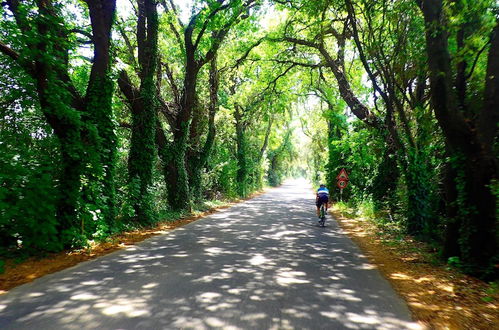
[421,208]
[491,292]
[454,262]
[384,191]
[279,161]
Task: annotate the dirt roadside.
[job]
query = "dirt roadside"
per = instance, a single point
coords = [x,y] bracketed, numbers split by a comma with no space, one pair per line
[438,297]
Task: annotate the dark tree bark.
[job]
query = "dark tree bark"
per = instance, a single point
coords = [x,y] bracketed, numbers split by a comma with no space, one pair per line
[489,116]
[266,139]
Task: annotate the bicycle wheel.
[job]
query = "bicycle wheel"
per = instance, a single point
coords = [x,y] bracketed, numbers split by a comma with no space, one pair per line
[322,221]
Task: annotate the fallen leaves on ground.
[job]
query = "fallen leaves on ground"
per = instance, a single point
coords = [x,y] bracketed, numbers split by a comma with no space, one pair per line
[438,297]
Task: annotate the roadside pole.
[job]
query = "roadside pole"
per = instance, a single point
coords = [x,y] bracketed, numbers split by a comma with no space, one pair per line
[342,182]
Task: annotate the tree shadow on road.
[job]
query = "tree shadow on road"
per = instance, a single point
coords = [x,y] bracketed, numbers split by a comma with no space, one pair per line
[263,264]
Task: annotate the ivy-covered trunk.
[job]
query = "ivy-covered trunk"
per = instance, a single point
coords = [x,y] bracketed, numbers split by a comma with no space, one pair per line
[99,105]
[82,125]
[178,187]
[197,161]
[452,222]
[242,166]
[386,179]
[196,167]
[421,219]
[55,102]
[69,187]
[179,193]
[142,152]
[143,105]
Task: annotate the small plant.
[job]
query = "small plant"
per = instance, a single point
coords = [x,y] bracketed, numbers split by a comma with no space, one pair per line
[491,292]
[454,262]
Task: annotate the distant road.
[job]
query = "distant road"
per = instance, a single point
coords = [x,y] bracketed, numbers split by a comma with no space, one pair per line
[262,264]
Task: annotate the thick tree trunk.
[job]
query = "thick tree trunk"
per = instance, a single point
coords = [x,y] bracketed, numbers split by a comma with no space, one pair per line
[199,161]
[99,102]
[167,152]
[69,187]
[420,218]
[452,222]
[70,116]
[489,117]
[386,179]
[178,187]
[179,196]
[142,151]
[55,102]
[142,145]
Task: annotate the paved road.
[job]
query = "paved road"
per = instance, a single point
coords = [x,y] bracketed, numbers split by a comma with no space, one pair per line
[262,264]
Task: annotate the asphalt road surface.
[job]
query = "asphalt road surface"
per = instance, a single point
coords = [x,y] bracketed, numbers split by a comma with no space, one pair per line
[262,264]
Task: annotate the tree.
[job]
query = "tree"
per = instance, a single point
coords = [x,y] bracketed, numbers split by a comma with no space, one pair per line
[82,123]
[469,131]
[142,103]
[199,48]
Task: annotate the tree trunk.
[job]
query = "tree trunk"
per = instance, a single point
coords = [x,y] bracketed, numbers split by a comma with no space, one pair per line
[179,196]
[72,117]
[178,187]
[198,162]
[99,102]
[143,104]
[55,102]
[452,223]
[242,166]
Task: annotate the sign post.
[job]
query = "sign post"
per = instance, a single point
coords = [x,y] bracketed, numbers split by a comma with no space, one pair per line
[342,182]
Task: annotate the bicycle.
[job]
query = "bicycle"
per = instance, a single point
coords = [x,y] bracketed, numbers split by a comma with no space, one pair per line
[322,217]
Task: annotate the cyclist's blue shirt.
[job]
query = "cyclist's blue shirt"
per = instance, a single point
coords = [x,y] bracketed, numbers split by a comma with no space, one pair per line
[323,191]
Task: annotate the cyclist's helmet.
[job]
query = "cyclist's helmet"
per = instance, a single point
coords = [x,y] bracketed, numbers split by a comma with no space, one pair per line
[323,185]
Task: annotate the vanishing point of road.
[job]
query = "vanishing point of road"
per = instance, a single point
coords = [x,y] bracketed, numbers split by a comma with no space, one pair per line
[261,264]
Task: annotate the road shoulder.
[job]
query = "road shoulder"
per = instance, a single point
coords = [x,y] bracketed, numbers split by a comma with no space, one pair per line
[438,297]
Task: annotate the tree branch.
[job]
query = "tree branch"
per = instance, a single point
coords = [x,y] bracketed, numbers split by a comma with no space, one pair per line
[130,91]
[9,51]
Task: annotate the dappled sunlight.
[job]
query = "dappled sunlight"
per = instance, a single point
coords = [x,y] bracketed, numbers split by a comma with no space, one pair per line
[256,265]
[84,296]
[124,307]
[399,276]
[288,277]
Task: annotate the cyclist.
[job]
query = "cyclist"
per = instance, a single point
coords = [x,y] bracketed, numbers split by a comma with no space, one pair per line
[322,198]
